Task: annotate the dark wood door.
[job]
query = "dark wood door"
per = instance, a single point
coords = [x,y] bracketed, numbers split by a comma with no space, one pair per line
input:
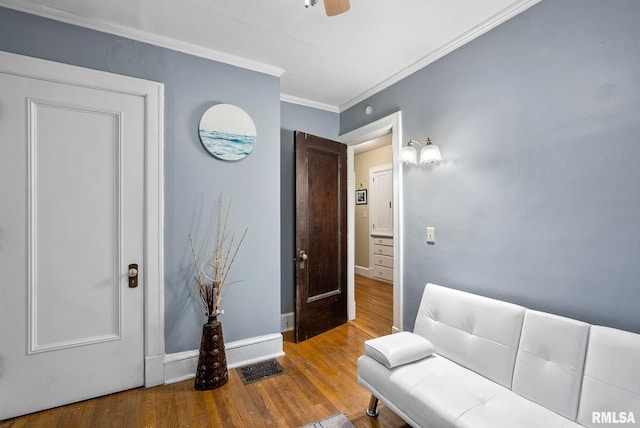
[321,235]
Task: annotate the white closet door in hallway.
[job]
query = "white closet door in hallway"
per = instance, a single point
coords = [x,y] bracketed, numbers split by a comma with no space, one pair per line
[381,210]
[381,223]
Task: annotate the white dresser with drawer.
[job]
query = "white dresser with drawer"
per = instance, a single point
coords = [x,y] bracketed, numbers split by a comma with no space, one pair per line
[382,257]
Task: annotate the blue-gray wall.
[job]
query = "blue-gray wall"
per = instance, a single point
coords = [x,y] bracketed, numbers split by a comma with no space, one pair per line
[313,121]
[537,201]
[193,179]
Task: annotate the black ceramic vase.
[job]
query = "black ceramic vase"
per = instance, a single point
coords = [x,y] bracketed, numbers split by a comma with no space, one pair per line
[211,371]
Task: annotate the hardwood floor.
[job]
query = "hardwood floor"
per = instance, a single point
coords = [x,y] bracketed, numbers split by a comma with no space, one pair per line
[320,381]
[374,306]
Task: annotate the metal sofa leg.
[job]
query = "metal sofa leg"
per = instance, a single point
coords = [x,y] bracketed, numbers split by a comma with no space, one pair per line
[372,410]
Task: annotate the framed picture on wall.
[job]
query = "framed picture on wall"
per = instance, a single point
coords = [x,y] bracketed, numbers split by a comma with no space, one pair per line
[361,197]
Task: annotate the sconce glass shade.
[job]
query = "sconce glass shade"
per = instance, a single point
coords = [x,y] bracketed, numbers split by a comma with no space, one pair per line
[409,154]
[430,153]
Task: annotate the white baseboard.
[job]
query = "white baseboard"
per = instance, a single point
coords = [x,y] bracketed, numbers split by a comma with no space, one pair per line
[287,322]
[182,365]
[363,271]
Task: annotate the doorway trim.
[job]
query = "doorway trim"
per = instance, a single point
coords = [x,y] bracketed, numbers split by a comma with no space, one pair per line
[153,95]
[389,124]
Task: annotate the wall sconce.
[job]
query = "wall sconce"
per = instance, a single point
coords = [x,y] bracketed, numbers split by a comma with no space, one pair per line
[428,154]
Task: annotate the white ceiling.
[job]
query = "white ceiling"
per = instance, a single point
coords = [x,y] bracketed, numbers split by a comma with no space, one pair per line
[324,62]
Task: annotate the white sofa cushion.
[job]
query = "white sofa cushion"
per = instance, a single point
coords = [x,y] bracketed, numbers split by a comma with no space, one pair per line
[436,392]
[432,392]
[550,361]
[443,400]
[510,410]
[397,349]
[611,381]
[476,332]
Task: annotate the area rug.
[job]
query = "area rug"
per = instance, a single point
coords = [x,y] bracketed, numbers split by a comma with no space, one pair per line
[339,420]
[259,371]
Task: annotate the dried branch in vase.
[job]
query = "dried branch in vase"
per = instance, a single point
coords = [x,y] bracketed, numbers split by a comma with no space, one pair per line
[212,277]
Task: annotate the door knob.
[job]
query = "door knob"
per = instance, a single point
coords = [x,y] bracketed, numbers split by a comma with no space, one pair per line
[133,275]
[302,257]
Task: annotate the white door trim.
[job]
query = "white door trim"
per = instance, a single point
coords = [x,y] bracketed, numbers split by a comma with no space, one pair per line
[393,124]
[153,95]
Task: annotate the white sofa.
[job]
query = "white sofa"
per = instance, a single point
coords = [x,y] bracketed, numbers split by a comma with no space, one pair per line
[473,361]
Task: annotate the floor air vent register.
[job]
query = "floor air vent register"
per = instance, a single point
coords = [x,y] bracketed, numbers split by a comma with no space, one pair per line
[259,371]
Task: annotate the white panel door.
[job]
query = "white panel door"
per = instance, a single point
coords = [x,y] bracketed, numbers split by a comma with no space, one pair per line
[71,222]
[381,197]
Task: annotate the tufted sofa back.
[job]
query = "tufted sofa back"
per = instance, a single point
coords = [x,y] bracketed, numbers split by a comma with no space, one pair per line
[611,385]
[550,361]
[477,332]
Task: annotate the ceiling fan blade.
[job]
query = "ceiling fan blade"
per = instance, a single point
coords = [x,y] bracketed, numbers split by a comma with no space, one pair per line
[336,7]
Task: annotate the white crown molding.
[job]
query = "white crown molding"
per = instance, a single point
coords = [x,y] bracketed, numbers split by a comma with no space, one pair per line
[309,103]
[142,36]
[465,38]
[192,49]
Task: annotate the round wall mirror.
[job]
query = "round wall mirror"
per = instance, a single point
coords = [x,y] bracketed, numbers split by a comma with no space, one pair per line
[227,132]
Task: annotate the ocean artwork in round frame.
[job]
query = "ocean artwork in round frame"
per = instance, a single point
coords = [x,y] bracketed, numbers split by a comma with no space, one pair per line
[227,132]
